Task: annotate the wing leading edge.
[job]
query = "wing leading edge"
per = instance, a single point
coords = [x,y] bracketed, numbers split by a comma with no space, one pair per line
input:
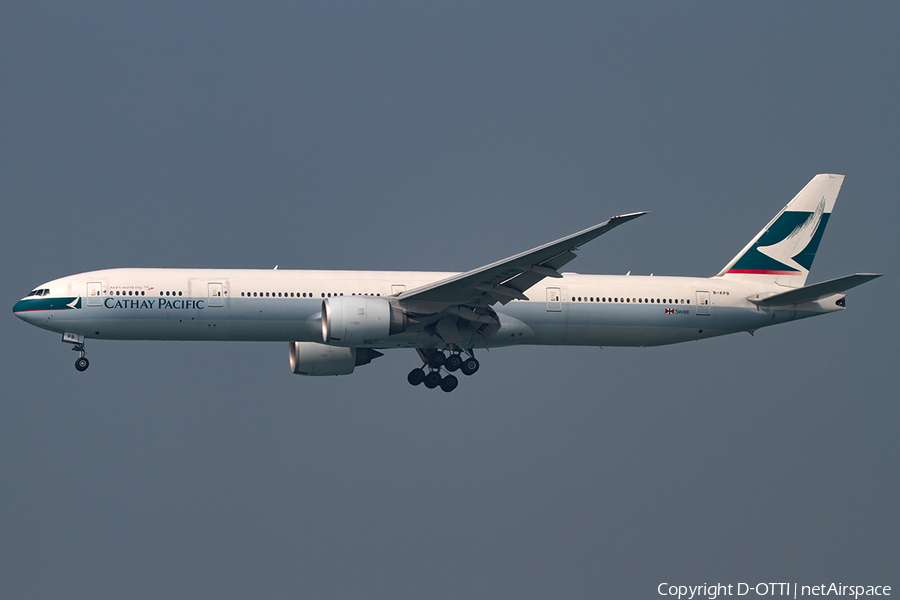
[507,279]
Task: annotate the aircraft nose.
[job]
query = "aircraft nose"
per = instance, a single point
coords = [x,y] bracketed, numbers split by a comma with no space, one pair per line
[28,311]
[19,310]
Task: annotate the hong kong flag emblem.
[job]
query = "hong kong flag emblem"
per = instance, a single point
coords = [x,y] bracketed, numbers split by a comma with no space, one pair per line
[670,311]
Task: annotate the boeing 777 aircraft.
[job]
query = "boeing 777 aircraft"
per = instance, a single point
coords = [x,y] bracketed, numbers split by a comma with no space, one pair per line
[336,321]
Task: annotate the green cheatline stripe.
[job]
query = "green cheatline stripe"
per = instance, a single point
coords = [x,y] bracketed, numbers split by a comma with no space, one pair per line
[33,304]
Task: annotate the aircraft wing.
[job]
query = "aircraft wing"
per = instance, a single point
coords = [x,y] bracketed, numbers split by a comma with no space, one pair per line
[507,279]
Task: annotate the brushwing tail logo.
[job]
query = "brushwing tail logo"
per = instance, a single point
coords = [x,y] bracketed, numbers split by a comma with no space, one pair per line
[796,241]
[788,246]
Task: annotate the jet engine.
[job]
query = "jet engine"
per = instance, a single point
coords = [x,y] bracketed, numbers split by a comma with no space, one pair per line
[310,358]
[358,320]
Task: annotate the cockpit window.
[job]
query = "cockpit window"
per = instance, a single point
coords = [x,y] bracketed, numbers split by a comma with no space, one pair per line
[42,292]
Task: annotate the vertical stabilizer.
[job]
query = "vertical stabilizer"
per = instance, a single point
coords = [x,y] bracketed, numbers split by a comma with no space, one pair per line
[784,250]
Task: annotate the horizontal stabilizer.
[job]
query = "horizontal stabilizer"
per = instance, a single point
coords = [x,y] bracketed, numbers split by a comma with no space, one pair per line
[817,291]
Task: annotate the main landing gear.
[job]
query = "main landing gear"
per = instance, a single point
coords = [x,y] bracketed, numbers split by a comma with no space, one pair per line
[435,361]
[77,341]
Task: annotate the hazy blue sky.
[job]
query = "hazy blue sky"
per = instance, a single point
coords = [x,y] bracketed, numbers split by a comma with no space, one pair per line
[445,136]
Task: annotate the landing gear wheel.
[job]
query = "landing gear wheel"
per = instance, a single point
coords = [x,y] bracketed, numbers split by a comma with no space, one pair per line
[432,380]
[469,366]
[449,383]
[416,376]
[436,359]
[453,362]
[82,363]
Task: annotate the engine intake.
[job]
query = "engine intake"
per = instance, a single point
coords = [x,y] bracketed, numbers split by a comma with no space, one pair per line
[310,358]
[358,320]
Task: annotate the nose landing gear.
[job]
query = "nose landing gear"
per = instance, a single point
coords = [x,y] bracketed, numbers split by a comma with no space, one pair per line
[81,363]
[435,360]
[77,341]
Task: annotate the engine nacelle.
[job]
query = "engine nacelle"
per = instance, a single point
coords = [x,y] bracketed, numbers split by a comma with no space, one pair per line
[358,320]
[310,358]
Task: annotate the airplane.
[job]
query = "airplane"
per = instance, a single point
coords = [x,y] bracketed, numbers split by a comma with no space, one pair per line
[335,321]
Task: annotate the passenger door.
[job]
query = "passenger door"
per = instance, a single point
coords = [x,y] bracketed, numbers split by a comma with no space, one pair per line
[95,293]
[702,303]
[216,295]
[554,299]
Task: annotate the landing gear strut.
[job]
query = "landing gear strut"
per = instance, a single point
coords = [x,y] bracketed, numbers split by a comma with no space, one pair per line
[435,360]
[77,341]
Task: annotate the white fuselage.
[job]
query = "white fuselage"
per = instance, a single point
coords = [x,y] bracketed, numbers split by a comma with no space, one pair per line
[273,305]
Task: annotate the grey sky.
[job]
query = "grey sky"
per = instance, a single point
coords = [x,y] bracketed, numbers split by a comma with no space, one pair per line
[402,136]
